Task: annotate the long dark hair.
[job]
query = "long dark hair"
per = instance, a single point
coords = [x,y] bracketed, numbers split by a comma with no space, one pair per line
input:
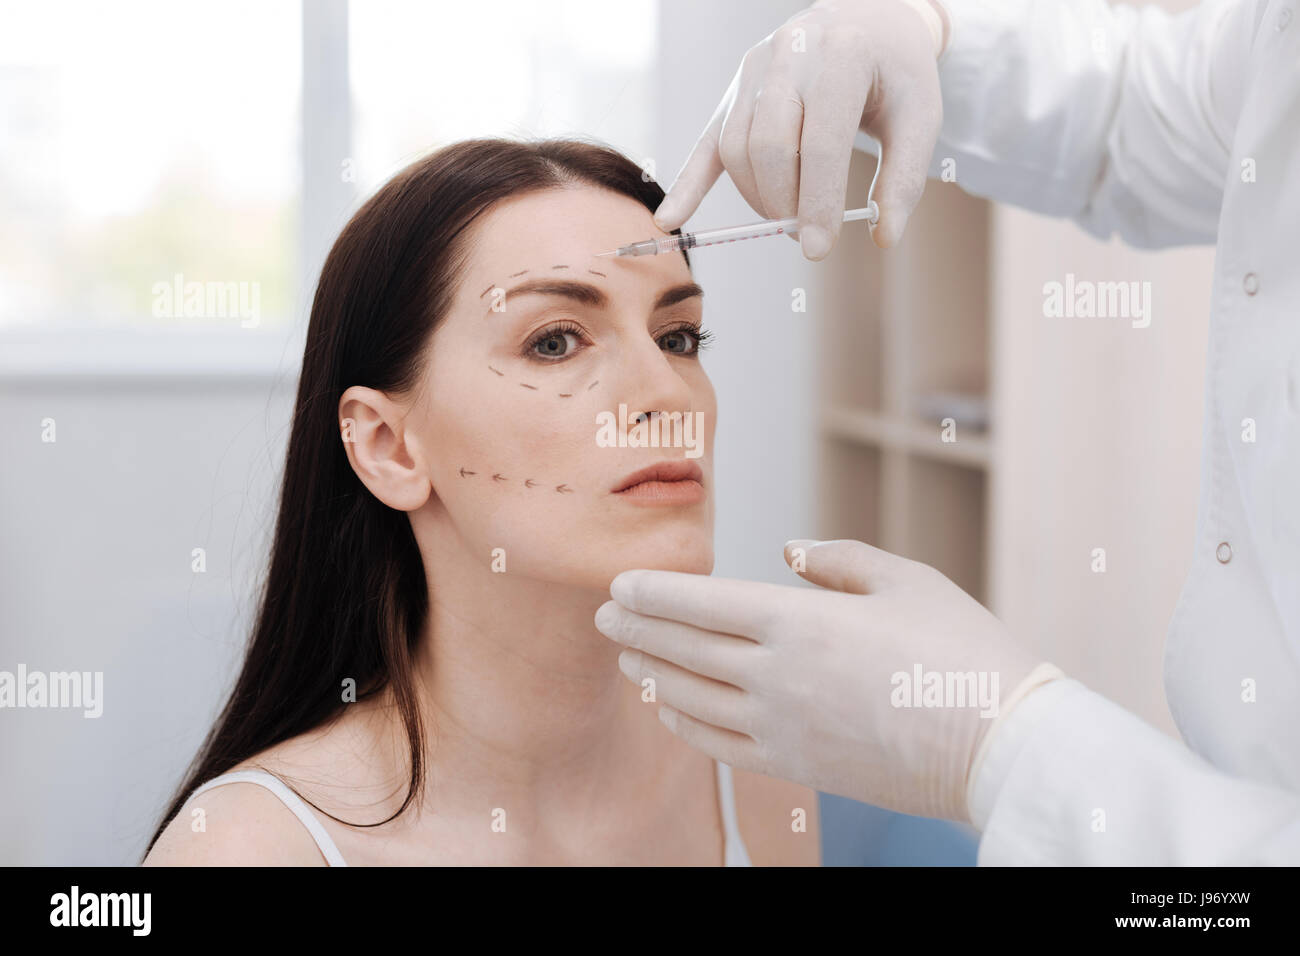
[345,594]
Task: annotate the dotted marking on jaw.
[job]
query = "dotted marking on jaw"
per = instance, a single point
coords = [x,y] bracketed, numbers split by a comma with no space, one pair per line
[497,477]
[526,385]
[502,374]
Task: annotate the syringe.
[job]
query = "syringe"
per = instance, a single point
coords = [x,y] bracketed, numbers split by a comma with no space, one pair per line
[713,237]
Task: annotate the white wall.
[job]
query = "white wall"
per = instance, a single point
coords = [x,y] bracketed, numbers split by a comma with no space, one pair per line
[764,356]
[95,575]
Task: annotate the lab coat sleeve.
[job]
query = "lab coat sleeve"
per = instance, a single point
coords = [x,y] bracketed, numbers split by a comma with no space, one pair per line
[1119,118]
[1071,778]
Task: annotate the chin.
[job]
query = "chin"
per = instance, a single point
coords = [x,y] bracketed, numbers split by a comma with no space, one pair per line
[688,551]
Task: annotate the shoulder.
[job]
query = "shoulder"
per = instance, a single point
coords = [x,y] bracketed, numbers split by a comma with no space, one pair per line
[235,824]
[768,811]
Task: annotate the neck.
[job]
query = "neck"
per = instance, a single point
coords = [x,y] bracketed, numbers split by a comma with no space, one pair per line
[523,697]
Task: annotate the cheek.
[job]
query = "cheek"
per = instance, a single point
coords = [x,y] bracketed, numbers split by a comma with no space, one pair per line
[507,456]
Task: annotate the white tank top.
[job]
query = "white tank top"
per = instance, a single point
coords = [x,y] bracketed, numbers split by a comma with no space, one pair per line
[734,852]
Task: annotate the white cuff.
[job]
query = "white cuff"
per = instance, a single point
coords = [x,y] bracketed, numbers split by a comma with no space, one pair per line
[1021,712]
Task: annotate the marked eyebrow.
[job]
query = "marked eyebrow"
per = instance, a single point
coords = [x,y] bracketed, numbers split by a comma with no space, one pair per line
[588,294]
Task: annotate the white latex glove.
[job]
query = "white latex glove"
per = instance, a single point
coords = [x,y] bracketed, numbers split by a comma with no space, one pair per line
[798,683]
[785,127]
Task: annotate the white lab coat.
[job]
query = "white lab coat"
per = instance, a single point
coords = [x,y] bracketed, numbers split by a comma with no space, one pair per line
[1138,123]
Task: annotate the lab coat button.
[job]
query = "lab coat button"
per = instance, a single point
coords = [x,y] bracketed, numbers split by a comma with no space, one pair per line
[1250,283]
[1223,552]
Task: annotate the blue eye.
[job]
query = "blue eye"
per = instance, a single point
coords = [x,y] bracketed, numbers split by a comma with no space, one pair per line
[555,342]
[684,341]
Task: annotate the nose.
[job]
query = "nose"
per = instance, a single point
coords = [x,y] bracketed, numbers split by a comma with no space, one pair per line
[650,384]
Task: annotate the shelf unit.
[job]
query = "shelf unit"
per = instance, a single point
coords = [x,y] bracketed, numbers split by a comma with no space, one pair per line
[906,344]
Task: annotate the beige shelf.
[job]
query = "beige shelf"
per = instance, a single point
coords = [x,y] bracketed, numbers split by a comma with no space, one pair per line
[919,438]
[900,328]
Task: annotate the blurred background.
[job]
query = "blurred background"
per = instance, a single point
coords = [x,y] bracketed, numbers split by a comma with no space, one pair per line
[147,144]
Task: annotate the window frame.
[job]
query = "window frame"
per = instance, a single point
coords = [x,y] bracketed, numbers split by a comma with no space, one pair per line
[86,352]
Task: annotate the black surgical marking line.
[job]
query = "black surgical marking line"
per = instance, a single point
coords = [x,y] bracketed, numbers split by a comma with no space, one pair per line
[502,374]
[593,385]
[566,395]
[514,275]
[562,489]
[595,273]
[526,385]
[487,290]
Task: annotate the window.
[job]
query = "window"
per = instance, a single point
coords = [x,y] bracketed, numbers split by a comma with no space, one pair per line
[148,145]
[174,173]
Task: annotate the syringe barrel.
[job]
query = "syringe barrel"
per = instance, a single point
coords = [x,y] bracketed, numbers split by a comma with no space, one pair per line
[647,247]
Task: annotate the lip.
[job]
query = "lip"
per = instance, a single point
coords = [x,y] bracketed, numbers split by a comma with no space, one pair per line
[668,481]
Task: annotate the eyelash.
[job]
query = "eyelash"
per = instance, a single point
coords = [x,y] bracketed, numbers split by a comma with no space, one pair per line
[702,337]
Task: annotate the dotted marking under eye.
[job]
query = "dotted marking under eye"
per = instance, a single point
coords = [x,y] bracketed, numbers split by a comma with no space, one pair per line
[464,473]
[529,483]
[496,477]
[487,290]
[515,275]
[595,273]
[536,389]
[564,489]
[559,267]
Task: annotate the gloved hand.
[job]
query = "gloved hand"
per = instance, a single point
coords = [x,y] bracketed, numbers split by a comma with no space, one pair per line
[785,127]
[801,683]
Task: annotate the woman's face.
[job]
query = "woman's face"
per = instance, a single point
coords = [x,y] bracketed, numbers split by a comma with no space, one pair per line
[534,386]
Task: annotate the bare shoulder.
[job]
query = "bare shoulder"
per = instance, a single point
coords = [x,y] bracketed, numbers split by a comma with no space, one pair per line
[245,824]
[779,820]
[235,824]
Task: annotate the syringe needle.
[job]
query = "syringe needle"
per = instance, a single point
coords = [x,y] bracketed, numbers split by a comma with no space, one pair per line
[715,237]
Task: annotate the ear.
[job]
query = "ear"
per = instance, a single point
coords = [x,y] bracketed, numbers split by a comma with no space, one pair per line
[373,429]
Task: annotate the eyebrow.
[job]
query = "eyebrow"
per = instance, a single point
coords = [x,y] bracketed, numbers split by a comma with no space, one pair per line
[587,294]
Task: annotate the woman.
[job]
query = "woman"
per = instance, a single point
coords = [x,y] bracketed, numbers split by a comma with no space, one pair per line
[424,670]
